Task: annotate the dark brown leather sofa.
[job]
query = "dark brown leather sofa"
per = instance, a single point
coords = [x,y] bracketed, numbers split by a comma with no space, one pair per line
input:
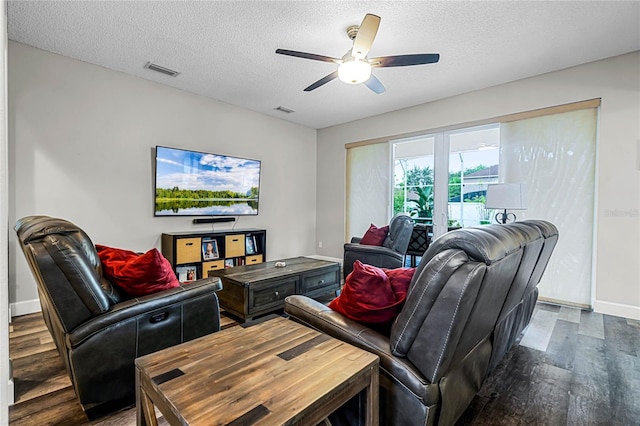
[97,332]
[471,296]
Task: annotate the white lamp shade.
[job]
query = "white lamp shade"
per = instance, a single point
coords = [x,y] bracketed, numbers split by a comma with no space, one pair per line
[508,196]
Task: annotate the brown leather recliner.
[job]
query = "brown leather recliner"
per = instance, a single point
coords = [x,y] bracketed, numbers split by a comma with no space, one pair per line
[98,332]
[471,296]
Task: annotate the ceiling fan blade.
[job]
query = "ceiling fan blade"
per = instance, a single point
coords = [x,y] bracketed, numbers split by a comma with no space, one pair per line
[305,55]
[405,60]
[323,80]
[366,34]
[374,84]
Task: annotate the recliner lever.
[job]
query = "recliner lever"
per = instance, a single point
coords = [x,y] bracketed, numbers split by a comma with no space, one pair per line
[159,317]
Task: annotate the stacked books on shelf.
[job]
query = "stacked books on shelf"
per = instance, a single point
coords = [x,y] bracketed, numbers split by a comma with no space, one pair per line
[235,261]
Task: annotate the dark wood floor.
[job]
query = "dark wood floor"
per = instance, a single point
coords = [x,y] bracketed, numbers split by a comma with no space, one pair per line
[571,367]
[43,392]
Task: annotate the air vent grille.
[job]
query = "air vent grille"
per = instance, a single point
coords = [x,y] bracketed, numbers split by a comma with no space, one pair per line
[160,69]
[283,109]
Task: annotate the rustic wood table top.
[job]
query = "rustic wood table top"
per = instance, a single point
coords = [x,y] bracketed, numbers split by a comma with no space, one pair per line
[268,270]
[273,372]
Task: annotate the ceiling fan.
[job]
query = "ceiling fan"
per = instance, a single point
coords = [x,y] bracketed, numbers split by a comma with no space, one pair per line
[354,67]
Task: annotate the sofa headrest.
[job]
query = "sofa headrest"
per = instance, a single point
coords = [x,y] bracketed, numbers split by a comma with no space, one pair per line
[547,229]
[400,227]
[65,250]
[480,245]
[33,228]
[517,232]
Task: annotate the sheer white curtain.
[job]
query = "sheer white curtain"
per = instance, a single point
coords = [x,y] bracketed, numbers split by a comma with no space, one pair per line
[555,155]
[368,183]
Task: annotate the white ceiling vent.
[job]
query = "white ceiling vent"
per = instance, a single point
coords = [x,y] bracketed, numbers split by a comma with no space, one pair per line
[283,109]
[163,70]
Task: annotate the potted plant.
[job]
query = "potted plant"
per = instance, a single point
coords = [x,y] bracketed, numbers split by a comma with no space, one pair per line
[422,198]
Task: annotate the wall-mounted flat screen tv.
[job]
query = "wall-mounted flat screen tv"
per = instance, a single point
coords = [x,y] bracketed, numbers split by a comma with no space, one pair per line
[191,183]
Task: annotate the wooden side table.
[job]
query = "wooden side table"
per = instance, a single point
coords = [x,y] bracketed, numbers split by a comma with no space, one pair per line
[272,373]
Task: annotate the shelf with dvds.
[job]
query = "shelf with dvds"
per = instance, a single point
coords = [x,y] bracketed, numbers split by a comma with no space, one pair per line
[193,254]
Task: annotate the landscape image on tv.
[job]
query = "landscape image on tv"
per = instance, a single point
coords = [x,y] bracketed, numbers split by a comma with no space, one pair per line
[190,183]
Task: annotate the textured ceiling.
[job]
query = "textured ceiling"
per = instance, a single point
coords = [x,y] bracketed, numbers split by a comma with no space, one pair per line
[225,49]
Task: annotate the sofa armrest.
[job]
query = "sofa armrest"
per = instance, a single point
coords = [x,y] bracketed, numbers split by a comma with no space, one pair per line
[372,250]
[381,257]
[144,305]
[320,317]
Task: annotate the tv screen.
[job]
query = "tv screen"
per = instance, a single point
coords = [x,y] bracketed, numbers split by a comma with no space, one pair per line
[191,183]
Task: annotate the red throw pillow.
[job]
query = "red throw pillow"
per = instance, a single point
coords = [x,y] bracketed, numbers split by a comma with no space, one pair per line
[137,274]
[400,278]
[375,236]
[367,296]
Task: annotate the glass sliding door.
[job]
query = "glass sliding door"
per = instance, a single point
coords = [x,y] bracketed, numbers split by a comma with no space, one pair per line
[414,190]
[413,178]
[441,180]
[474,159]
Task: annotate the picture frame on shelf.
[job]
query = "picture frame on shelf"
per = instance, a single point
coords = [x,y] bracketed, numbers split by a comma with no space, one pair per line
[250,244]
[210,249]
[186,274]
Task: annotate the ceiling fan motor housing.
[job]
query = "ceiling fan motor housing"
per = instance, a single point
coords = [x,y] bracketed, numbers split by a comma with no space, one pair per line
[352,31]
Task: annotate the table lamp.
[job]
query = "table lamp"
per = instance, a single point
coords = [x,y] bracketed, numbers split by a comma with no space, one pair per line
[506,196]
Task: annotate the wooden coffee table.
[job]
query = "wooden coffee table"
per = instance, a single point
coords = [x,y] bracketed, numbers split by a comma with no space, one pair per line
[271,373]
[253,290]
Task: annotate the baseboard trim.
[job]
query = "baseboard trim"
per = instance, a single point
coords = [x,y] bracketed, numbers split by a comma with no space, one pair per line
[563,303]
[25,307]
[617,309]
[330,259]
[11,392]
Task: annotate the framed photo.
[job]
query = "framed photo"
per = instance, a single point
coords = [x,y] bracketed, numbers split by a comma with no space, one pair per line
[250,244]
[210,249]
[186,273]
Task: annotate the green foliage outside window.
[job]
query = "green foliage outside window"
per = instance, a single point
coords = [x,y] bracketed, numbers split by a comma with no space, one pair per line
[417,197]
[418,193]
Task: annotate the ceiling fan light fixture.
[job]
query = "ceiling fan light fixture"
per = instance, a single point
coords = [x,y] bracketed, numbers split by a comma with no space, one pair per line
[354,71]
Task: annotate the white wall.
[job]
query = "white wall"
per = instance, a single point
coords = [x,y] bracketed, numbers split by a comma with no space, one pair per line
[6,382]
[81,141]
[615,80]
[368,197]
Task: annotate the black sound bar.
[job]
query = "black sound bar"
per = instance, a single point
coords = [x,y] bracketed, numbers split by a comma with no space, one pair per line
[214,219]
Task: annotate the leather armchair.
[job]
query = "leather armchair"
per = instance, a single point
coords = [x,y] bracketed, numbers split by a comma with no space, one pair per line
[470,298]
[389,255]
[97,331]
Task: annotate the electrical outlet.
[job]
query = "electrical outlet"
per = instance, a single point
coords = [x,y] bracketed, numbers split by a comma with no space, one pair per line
[319,244]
